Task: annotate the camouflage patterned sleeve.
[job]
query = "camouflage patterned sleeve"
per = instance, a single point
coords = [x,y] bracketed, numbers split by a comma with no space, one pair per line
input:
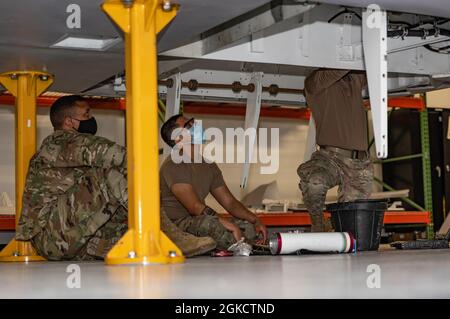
[90,150]
[101,152]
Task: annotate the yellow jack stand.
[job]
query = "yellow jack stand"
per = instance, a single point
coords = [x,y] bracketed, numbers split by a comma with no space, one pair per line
[25,86]
[144,243]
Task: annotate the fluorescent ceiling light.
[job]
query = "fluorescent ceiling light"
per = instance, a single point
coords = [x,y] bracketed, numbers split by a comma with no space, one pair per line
[97,44]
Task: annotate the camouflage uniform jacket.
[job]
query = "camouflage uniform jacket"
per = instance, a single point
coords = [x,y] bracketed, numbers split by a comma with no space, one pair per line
[64,167]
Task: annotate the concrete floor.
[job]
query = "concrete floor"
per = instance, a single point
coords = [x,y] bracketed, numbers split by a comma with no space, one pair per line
[403,274]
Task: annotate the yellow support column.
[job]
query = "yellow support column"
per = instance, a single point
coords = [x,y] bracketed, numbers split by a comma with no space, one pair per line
[144,243]
[25,86]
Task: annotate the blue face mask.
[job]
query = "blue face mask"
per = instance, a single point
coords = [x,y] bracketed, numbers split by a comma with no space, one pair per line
[197,134]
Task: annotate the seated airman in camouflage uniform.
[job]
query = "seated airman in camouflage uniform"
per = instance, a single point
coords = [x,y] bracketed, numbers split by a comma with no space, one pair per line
[75,199]
[335,98]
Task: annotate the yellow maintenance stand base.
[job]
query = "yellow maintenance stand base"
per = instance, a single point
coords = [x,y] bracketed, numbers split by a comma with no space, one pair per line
[162,252]
[19,251]
[144,243]
[25,86]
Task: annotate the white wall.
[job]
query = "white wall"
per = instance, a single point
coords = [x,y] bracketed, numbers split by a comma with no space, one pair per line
[111,125]
[7,150]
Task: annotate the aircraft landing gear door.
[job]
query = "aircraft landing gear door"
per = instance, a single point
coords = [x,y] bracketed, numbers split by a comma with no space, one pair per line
[374,27]
[251,123]
[173,100]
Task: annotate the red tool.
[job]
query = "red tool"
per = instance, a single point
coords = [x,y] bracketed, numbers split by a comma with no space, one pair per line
[222,253]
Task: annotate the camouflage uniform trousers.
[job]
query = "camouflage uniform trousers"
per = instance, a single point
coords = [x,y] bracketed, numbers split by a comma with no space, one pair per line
[208,225]
[89,234]
[327,169]
[86,226]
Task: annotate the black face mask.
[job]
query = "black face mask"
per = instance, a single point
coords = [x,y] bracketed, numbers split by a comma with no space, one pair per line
[88,126]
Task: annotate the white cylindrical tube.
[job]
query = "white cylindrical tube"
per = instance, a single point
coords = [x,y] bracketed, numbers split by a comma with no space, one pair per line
[288,243]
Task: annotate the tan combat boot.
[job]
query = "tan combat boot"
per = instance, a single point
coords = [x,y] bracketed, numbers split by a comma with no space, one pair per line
[189,244]
[328,225]
[320,224]
[317,225]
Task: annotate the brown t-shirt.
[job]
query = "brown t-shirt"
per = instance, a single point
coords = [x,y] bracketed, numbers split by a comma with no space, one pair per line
[204,177]
[335,98]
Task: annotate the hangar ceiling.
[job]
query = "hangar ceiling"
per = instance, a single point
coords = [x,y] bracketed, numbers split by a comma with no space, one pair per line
[28,28]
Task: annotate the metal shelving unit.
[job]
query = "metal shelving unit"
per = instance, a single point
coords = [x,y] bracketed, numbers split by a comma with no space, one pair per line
[418,104]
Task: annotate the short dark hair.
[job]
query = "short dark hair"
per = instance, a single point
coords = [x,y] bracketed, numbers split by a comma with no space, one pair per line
[62,108]
[168,127]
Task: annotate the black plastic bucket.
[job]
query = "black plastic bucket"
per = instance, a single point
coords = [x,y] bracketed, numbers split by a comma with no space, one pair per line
[362,218]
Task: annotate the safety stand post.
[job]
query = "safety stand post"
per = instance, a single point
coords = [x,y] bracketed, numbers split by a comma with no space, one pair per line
[26,86]
[144,242]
